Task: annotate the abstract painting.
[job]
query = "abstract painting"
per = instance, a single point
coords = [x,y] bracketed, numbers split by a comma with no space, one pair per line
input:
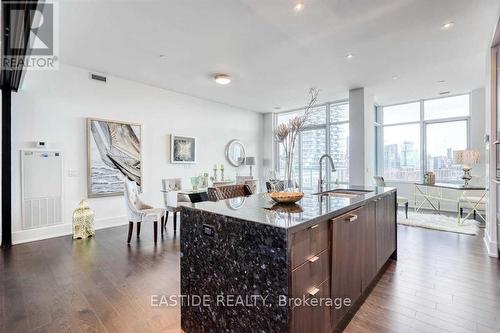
[182,149]
[114,154]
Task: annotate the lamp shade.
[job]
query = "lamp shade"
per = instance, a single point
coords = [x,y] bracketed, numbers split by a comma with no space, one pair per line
[250,160]
[466,157]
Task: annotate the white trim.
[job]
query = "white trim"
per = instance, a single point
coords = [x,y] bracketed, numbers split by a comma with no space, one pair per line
[25,236]
[491,246]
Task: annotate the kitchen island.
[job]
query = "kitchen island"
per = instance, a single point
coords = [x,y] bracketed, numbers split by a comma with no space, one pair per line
[249,265]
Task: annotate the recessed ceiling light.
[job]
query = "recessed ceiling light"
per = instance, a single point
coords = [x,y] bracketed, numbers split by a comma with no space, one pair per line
[163,56]
[444,92]
[447,25]
[298,6]
[349,56]
[395,77]
[441,81]
[222,79]
[277,108]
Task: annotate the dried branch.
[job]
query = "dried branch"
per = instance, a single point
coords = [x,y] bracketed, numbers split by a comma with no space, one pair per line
[287,134]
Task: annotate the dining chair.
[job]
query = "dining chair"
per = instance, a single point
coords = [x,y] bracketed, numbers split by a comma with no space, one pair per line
[138,211]
[227,192]
[248,180]
[278,186]
[171,198]
[379,181]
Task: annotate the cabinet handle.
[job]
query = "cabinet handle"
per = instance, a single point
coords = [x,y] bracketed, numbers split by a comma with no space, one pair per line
[313,259]
[314,226]
[313,291]
[352,218]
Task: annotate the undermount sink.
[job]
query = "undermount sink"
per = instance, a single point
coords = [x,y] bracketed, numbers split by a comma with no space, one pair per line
[344,193]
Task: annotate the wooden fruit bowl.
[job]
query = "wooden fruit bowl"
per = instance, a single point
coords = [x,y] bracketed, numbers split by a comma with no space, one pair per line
[286,197]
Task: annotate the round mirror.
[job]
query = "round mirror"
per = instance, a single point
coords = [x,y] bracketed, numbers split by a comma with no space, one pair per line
[236,203]
[235,153]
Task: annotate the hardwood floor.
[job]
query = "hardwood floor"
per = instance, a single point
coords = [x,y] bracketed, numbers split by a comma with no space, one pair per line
[442,282]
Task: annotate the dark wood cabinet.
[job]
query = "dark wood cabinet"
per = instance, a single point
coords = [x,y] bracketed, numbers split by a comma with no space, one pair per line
[346,264]
[313,318]
[368,245]
[308,243]
[348,260]
[385,228]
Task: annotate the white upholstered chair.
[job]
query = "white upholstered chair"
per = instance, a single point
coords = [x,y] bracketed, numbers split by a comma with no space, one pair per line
[139,212]
[171,197]
[401,200]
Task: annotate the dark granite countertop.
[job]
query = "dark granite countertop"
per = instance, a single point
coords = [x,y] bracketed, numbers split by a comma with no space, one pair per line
[259,208]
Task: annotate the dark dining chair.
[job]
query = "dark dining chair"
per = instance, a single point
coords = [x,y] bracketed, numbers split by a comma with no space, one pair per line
[228,192]
[278,187]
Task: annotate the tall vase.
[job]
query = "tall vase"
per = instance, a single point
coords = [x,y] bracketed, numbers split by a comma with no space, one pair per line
[289,183]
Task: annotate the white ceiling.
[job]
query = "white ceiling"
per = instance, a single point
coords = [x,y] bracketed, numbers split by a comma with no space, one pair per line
[274,54]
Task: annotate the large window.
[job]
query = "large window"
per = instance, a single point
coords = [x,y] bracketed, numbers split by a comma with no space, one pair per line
[328,133]
[442,139]
[422,136]
[402,152]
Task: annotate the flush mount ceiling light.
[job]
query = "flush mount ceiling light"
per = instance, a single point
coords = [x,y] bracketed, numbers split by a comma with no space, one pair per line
[298,6]
[349,56]
[395,77]
[447,25]
[222,79]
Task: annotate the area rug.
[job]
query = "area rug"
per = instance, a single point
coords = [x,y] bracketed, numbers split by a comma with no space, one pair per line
[438,222]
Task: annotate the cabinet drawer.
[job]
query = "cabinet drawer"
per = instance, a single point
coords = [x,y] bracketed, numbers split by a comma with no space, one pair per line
[352,216]
[308,243]
[310,274]
[315,319]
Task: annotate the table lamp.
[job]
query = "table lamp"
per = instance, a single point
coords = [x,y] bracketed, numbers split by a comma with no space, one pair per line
[250,161]
[467,158]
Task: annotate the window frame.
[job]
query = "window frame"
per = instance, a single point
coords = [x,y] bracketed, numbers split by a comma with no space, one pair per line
[423,133]
[326,126]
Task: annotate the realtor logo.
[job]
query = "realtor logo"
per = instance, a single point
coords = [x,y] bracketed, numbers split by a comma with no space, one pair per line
[40,39]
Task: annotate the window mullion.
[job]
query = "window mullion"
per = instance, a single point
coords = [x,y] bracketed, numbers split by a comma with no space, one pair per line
[423,140]
[327,144]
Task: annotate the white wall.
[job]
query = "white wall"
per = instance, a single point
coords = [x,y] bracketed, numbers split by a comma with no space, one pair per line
[477,132]
[53,106]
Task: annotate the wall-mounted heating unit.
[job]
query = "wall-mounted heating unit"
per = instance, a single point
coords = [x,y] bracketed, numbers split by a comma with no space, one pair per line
[42,188]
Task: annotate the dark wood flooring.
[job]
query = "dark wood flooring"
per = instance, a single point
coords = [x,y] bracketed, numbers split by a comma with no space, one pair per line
[442,282]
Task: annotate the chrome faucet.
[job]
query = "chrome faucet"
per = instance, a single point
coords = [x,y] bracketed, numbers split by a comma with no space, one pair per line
[320,181]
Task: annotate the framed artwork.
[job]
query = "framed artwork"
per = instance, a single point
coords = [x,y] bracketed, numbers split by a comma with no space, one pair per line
[182,149]
[114,154]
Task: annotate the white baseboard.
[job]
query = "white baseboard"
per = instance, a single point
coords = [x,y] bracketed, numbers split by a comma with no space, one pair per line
[491,246]
[25,236]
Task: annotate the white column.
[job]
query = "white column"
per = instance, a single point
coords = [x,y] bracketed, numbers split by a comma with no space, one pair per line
[268,145]
[361,137]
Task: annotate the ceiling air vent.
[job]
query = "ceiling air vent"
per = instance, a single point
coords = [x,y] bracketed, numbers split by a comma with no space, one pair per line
[444,92]
[98,77]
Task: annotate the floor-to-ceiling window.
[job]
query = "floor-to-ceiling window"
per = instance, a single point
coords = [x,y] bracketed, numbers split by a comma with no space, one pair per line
[422,136]
[326,133]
